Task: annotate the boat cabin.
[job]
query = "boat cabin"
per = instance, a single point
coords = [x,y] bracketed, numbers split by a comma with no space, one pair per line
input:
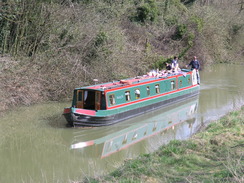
[116,94]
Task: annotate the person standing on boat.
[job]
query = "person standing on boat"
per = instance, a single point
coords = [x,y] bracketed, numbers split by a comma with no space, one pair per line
[174,63]
[195,65]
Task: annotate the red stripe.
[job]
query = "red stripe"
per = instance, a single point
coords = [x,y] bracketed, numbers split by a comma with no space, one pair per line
[87,112]
[82,144]
[155,96]
[142,83]
[67,110]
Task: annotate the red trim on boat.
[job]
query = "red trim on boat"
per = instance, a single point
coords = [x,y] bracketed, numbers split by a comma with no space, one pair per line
[82,144]
[107,85]
[67,110]
[84,111]
[152,97]
[142,83]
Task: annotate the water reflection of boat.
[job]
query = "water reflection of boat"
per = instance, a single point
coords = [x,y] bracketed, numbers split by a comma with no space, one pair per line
[147,126]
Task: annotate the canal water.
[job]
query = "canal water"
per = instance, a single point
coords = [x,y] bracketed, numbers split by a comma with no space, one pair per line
[36,146]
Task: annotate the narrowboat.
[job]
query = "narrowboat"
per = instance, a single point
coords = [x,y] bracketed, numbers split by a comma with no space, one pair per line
[112,102]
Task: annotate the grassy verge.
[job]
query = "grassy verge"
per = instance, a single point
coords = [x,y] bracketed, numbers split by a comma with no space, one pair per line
[214,155]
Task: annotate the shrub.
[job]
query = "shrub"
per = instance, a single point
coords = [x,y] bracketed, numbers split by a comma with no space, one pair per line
[147,12]
[180,31]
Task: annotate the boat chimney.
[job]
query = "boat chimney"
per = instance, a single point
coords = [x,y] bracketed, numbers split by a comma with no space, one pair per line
[95,81]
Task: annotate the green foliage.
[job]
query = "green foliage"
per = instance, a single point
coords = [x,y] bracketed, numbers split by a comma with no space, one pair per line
[146,12]
[116,173]
[98,50]
[181,30]
[22,26]
[63,34]
[90,180]
[191,145]
[172,5]
[188,2]
[236,28]
[191,37]
[100,39]
[65,37]
[160,62]
[222,174]
[184,51]
[171,20]
[174,147]
[199,22]
[83,1]
[166,6]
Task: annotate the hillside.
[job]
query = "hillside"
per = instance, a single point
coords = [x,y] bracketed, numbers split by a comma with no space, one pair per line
[49,47]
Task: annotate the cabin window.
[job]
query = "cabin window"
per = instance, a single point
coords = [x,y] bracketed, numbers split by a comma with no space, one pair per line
[85,95]
[127,95]
[135,135]
[103,102]
[172,85]
[148,90]
[189,80]
[180,83]
[125,139]
[111,99]
[137,93]
[157,88]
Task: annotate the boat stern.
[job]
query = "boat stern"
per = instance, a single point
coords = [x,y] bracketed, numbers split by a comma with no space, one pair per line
[86,117]
[69,115]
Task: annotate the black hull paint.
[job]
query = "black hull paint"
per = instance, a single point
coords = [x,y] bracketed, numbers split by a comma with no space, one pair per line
[86,121]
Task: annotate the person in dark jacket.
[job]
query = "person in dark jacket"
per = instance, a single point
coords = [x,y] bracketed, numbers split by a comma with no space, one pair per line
[195,65]
[168,66]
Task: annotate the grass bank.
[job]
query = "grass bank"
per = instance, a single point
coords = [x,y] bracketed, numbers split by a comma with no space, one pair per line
[214,155]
